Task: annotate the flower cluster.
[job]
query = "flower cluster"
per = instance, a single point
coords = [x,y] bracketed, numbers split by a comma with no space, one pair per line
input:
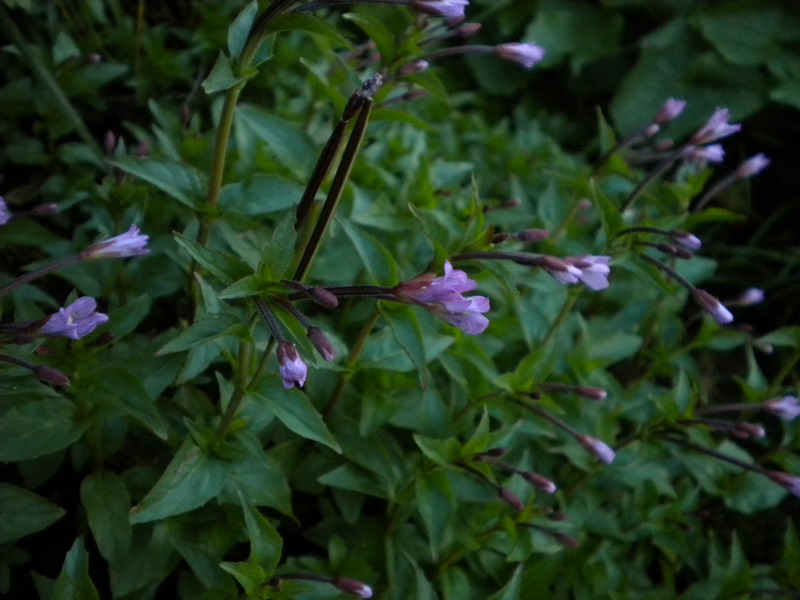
[443,296]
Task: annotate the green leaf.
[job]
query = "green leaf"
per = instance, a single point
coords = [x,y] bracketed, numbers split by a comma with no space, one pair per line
[291,145]
[309,24]
[296,412]
[266,544]
[610,215]
[512,589]
[377,31]
[221,76]
[279,251]
[377,260]
[179,180]
[239,29]
[262,194]
[257,477]
[73,583]
[107,504]
[202,331]
[437,505]
[191,479]
[37,428]
[205,567]
[788,337]
[250,285]
[443,452]
[406,328]
[23,512]
[224,266]
[120,389]
[251,577]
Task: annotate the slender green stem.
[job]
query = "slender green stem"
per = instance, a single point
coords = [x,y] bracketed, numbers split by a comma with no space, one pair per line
[786,369]
[653,175]
[240,387]
[562,315]
[715,454]
[355,354]
[54,266]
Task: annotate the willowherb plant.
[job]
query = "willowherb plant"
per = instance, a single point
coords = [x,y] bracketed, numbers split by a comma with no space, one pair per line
[478,424]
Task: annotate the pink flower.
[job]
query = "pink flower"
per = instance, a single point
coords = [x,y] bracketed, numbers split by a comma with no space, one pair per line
[75,321]
[525,54]
[671,109]
[597,447]
[443,297]
[130,243]
[754,164]
[291,367]
[452,9]
[787,407]
[713,306]
[715,128]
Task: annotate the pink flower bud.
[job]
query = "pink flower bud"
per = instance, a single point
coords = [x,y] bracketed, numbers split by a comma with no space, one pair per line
[511,499]
[321,343]
[754,164]
[54,376]
[687,240]
[525,54]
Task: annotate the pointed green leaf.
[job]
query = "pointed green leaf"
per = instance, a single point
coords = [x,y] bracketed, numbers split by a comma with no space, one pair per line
[295,411]
[309,24]
[610,215]
[221,76]
[202,331]
[251,577]
[436,504]
[239,29]
[291,145]
[179,180]
[73,583]
[377,260]
[191,479]
[107,504]
[406,328]
[278,252]
[37,428]
[23,512]
[227,268]
[266,544]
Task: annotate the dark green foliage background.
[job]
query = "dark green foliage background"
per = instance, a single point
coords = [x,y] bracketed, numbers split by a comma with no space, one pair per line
[378,490]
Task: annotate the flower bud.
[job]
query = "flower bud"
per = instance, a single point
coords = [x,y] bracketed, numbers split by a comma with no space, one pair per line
[713,306]
[510,498]
[540,482]
[751,296]
[592,392]
[291,367]
[323,297]
[786,408]
[533,235]
[321,343]
[754,164]
[54,376]
[600,449]
[352,587]
[686,239]
[674,251]
[790,482]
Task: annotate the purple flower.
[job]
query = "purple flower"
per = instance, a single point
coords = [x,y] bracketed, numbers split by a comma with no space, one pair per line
[790,482]
[786,408]
[671,109]
[291,367]
[75,321]
[597,447]
[452,9]
[713,153]
[130,243]
[591,270]
[751,296]
[525,54]
[715,128]
[5,214]
[754,164]
[443,297]
[713,306]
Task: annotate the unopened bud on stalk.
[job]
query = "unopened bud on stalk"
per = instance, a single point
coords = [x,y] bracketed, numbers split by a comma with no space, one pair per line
[597,447]
[468,29]
[54,376]
[321,343]
[670,111]
[543,483]
[323,297]
[713,306]
[663,145]
[592,392]
[746,431]
[686,239]
[499,238]
[510,498]
[790,482]
[412,68]
[751,296]
[40,210]
[651,130]
[567,540]
[754,164]
[533,235]
[674,251]
[291,367]
[352,587]
[110,142]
